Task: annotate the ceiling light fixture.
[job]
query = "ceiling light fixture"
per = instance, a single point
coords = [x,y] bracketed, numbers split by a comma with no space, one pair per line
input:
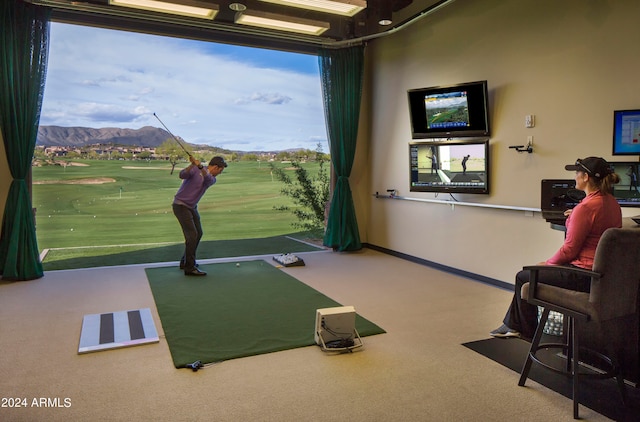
[237,7]
[338,7]
[386,14]
[280,22]
[191,8]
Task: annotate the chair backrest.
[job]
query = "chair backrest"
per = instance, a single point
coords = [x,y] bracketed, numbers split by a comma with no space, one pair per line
[617,258]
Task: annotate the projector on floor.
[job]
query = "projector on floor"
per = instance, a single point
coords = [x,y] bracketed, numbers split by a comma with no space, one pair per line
[336,329]
[289,260]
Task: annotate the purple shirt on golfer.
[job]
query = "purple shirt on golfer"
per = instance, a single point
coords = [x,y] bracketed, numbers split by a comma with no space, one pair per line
[194,184]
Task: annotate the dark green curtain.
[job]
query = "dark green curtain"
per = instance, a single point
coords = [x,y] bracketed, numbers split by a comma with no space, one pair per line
[341,71]
[24,43]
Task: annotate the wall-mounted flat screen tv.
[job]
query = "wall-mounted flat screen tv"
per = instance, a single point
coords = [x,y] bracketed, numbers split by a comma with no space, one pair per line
[626,132]
[456,166]
[453,111]
[627,192]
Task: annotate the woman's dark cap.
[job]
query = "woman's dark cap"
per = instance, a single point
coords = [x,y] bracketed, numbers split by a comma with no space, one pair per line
[594,166]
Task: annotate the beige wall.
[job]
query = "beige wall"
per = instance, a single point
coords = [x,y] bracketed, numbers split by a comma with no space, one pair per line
[570,63]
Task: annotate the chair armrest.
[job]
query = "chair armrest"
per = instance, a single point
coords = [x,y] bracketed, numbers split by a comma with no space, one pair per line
[566,309]
[563,268]
[565,301]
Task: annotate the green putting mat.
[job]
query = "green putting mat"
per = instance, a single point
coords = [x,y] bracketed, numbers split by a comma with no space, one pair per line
[237,311]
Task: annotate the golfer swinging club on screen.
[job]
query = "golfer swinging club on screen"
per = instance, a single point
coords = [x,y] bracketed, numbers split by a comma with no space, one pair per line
[196,179]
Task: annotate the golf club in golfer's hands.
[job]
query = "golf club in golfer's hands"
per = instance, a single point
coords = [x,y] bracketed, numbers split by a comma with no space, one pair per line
[176,139]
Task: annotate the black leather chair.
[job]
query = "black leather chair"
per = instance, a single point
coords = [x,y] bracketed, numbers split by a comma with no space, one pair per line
[615,284]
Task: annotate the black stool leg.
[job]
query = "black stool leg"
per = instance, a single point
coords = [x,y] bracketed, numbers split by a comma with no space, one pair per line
[524,374]
[569,344]
[618,374]
[575,366]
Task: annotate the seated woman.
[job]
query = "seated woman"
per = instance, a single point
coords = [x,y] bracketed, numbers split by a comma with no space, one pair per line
[585,224]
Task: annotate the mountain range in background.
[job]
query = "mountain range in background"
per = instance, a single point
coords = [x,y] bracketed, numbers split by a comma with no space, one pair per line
[147,136]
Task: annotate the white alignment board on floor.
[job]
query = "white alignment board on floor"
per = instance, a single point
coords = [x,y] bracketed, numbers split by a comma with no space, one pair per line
[117,329]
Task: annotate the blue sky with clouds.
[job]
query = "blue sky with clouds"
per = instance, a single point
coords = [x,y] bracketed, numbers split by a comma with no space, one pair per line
[231,97]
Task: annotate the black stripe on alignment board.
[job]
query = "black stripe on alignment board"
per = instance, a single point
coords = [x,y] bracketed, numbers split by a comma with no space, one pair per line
[136,330]
[106,328]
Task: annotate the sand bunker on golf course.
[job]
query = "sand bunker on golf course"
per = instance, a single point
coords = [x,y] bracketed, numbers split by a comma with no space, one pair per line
[88,181]
[146,168]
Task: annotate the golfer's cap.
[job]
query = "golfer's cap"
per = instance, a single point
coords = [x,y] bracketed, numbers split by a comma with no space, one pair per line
[218,161]
[594,166]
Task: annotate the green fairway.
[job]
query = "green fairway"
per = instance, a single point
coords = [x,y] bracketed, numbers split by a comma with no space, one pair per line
[102,203]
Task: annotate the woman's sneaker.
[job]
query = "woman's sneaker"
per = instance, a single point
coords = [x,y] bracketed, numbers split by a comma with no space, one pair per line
[504,332]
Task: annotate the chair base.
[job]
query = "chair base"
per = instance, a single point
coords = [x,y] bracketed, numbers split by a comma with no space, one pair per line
[604,368]
[573,364]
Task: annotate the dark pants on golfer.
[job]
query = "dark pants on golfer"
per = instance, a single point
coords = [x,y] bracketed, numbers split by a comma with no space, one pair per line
[522,316]
[190,222]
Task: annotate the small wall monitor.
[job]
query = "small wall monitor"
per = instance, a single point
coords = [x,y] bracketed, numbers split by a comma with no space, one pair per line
[626,132]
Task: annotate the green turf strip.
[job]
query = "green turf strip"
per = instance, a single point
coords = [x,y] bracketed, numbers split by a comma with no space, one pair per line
[237,311]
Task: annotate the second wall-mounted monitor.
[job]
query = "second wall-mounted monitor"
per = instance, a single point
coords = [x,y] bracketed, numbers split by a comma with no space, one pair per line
[453,111]
[558,195]
[459,166]
[627,192]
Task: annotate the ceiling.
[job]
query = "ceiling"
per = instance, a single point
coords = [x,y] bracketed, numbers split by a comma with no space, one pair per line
[342,31]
